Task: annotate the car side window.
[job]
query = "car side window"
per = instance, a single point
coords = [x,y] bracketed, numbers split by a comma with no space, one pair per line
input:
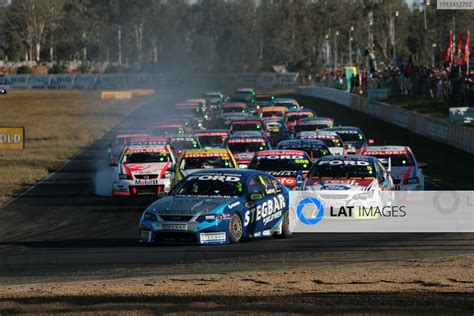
[254,186]
[382,173]
[268,185]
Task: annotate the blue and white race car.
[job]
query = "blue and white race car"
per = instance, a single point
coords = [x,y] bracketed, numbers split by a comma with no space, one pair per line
[219,206]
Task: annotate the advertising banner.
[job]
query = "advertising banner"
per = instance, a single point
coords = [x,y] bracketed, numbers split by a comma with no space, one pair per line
[12,138]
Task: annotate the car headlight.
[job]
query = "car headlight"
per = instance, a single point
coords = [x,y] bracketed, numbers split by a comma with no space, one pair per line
[242,166]
[413,181]
[150,217]
[364,196]
[167,175]
[124,176]
[200,124]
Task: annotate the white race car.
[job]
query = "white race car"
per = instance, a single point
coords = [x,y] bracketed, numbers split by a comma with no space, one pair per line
[145,170]
[405,170]
[349,180]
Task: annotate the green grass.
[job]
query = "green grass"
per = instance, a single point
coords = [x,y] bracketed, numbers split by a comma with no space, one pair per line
[421,104]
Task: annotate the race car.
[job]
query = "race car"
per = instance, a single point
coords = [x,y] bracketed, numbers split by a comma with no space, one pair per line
[313,147]
[219,206]
[211,138]
[119,141]
[350,180]
[331,139]
[214,100]
[179,143]
[353,138]
[244,147]
[232,111]
[263,100]
[144,170]
[290,119]
[193,160]
[290,167]
[289,103]
[272,112]
[404,169]
[165,129]
[247,125]
[186,121]
[201,102]
[312,124]
[192,110]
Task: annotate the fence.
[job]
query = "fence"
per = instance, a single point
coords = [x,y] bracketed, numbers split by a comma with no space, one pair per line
[455,135]
[150,81]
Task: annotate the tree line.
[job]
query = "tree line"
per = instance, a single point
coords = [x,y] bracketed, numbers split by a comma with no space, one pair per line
[223,36]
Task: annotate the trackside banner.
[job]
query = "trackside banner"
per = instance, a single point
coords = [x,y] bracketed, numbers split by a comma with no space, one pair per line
[151,81]
[394,212]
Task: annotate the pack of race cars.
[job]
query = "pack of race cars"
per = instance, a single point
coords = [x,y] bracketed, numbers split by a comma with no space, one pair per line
[219,180]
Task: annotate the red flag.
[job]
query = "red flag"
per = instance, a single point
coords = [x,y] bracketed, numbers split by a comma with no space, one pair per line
[447,56]
[467,47]
[459,52]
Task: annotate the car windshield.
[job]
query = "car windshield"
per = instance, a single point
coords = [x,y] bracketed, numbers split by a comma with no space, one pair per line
[211,141]
[213,95]
[184,144]
[247,147]
[275,165]
[234,109]
[332,142]
[310,127]
[352,137]
[268,98]
[146,157]
[160,131]
[196,187]
[323,169]
[293,118]
[246,127]
[120,141]
[402,160]
[272,114]
[206,163]
[313,152]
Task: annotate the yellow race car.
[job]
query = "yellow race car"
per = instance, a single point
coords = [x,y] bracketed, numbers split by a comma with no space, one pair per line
[192,160]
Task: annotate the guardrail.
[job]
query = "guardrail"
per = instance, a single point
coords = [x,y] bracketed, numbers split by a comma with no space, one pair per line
[150,81]
[440,130]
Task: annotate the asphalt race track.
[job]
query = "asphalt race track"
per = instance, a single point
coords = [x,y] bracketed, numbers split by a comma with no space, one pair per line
[69,223]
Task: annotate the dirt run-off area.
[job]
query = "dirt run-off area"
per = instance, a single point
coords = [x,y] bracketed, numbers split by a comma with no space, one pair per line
[437,285]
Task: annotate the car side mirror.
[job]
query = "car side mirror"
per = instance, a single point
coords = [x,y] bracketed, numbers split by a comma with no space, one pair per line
[423,164]
[371,141]
[255,196]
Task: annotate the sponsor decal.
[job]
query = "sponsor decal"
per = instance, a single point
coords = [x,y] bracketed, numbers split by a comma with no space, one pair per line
[266,211]
[231,206]
[175,227]
[212,237]
[206,155]
[212,134]
[246,140]
[222,178]
[146,150]
[12,137]
[384,152]
[297,158]
[344,162]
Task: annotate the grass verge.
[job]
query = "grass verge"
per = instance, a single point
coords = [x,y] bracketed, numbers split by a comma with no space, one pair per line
[58,124]
[421,104]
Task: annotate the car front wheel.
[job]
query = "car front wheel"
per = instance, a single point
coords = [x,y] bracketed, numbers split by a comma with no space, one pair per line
[235,229]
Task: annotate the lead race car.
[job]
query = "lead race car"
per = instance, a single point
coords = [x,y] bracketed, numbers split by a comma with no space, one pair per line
[219,206]
[144,170]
